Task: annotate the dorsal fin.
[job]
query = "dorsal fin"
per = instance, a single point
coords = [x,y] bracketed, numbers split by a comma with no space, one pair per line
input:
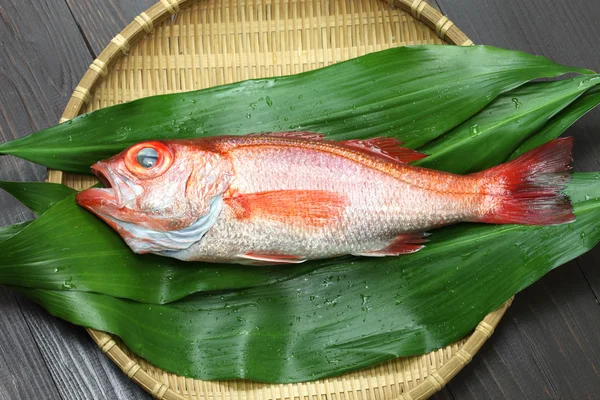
[386,148]
[292,135]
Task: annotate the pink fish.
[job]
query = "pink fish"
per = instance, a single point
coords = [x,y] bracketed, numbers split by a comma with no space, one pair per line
[290,197]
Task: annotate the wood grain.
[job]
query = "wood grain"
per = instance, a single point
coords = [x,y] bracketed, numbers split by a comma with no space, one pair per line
[81,370]
[101,20]
[544,347]
[589,263]
[443,394]
[22,370]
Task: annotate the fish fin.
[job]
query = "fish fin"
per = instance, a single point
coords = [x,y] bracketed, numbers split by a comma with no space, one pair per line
[272,258]
[304,207]
[292,135]
[385,148]
[407,243]
[528,190]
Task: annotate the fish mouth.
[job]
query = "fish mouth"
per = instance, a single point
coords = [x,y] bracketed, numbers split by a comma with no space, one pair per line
[103,175]
[96,199]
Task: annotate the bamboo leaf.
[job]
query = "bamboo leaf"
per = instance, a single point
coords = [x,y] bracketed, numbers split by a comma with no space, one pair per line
[37,196]
[413,93]
[9,231]
[561,122]
[341,317]
[491,136]
[585,187]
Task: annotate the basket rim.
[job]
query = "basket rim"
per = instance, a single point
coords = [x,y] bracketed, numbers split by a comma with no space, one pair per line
[144,23]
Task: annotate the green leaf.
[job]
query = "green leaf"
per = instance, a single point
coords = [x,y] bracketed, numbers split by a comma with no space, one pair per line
[9,231]
[341,317]
[412,93]
[585,187]
[491,136]
[561,122]
[37,196]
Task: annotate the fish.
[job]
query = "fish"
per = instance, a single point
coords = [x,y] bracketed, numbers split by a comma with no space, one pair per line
[289,197]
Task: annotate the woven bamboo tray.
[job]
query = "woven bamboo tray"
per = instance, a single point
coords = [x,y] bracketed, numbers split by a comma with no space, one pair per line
[181,45]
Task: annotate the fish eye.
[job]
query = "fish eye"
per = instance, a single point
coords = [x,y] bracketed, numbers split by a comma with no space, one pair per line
[149,160]
[147,157]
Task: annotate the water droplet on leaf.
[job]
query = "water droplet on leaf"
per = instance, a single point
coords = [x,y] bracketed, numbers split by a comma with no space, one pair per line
[67,285]
[474,130]
[517,103]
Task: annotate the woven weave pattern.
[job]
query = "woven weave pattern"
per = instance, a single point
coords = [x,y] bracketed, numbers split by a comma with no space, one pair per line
[217,42]
[213,42]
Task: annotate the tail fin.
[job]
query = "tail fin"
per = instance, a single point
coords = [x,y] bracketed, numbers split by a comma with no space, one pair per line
[528,189]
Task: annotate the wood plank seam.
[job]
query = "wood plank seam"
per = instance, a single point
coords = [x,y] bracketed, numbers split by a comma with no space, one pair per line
[596,296]
[80,29]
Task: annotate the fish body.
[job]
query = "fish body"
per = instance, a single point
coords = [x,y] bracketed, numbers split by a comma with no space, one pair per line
[291,197]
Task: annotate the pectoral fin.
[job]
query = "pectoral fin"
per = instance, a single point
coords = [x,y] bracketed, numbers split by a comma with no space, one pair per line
[304,207]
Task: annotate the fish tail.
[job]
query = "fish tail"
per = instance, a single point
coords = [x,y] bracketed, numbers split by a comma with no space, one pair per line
[528,190]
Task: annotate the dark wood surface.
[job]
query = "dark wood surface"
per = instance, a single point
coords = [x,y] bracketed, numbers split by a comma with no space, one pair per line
[547,346]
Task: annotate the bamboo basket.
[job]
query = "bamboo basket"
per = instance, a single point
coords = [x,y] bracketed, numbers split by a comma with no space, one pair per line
[181,45]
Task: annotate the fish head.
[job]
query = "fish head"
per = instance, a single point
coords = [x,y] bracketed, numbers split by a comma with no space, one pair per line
[159,196]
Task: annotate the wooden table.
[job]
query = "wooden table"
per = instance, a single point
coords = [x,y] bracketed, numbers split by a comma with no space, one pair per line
[547,346]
